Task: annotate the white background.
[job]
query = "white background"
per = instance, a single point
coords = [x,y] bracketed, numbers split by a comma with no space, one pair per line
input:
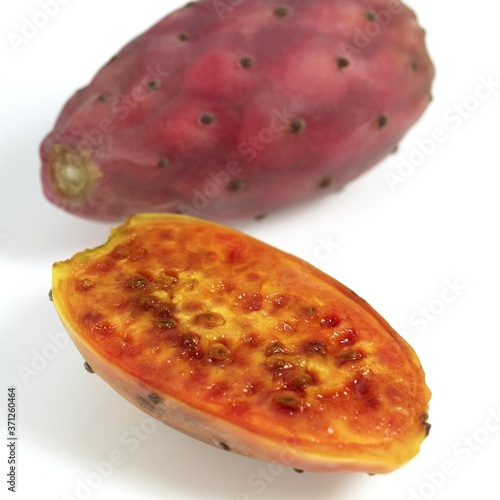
[398,248]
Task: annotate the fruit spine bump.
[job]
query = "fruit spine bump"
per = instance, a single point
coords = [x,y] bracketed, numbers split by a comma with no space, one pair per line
[237,112]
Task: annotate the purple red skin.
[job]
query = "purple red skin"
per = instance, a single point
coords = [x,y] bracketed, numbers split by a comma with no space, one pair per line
[292,121]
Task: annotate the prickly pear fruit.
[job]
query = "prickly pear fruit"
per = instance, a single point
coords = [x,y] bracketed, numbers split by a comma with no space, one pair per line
[226,111]
[243,346]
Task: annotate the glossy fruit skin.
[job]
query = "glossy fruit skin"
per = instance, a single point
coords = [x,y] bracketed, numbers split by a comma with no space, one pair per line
[232,112]
[243,346]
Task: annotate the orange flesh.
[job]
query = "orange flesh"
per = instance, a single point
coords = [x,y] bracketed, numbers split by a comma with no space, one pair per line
[244,332]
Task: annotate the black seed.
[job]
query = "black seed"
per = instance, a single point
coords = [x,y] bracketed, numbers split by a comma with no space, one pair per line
[207,118]
[300,471]
[217,352]
[165,311]
[260,216]
[300,382]
[209,320]
[166,324]
[246,62]
[342,62]
[414,65]
[163,162]
[280,11]
[224,446]
[275,348]
[371,16]
[154,85]
[287,403]
[113,59]
[50,294]
[325,182]
[183,37]
[316,348]
[348,356]
[88,367]
[154,398]
[190,4]
[102,97]
[381,122]
[297,126]
[236,185]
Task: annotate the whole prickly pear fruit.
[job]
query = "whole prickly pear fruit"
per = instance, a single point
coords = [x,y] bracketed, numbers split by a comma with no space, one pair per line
[226,110]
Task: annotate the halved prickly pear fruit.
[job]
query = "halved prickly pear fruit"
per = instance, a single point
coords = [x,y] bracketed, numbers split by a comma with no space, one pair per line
[243,346]
[225,111]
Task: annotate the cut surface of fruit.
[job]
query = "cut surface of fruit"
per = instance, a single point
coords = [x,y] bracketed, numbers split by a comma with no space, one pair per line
[243,346]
